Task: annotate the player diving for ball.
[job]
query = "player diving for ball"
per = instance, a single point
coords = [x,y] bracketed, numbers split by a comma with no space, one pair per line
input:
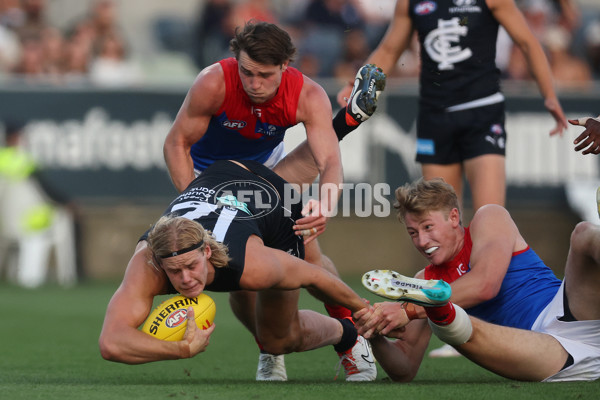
[240,108]
[215,236]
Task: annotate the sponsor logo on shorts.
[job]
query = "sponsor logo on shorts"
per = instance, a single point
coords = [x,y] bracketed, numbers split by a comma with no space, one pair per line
[426,147]
[425,7]
[497,129]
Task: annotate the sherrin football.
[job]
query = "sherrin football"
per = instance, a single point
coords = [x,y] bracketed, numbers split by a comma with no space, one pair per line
[168,320]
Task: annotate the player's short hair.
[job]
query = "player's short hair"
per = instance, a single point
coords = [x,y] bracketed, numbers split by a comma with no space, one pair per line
[264,43]
[172,233]
[422,196]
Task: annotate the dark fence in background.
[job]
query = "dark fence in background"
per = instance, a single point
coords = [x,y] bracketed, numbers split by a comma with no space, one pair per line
[105,146]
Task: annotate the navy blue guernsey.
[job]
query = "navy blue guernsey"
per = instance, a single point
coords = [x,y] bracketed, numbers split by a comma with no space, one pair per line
[233,204]
[458,51]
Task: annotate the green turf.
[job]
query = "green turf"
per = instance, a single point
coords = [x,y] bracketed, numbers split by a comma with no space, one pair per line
[49,350]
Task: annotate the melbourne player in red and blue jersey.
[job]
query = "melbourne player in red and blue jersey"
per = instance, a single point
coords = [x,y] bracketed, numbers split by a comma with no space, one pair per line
[243,130]
[240,108]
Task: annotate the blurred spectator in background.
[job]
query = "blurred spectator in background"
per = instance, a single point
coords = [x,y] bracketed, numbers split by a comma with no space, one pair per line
[592,46]
[52,42]
[355,51]
[34,21]
[567,69]
[325,24]
[110,66]
[212,33]
[36,221]
[376,16]
[247,10]
[10,16]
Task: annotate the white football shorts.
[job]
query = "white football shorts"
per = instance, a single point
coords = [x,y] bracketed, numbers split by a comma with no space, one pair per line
[581,339]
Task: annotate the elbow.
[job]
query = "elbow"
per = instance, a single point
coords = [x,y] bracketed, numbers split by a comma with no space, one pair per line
[108,349]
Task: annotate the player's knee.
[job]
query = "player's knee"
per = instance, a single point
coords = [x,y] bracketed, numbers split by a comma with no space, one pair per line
[281,345]
[582,234]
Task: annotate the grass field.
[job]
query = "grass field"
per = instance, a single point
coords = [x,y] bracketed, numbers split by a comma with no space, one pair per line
[48,350]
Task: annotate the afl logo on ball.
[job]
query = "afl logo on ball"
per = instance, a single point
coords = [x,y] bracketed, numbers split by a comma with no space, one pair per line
[176,318]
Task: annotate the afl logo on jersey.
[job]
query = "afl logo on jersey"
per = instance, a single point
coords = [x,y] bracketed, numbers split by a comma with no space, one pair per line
[233,124]
[425,7]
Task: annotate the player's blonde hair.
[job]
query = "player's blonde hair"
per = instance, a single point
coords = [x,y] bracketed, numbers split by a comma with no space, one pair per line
[172,233]
[422,196]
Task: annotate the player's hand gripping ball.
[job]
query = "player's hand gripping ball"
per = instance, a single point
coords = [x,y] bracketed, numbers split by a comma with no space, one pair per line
[168,320]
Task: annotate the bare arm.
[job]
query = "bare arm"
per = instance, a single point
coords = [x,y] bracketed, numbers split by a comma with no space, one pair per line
[509,16]
[396,40]
[121,341]
[202,100]
[401,358]
[495,237]
[267,268]
[314,111]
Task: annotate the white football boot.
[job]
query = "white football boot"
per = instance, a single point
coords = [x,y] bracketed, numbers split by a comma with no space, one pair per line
[271,368]
[394,286]
[358,362]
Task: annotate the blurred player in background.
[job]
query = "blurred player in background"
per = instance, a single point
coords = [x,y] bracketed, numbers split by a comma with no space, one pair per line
[240,108]
[211,239]
[460,127]
[524,322]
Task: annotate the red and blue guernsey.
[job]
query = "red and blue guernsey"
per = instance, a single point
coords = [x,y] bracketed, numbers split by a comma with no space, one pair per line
[242,130]
[528,286]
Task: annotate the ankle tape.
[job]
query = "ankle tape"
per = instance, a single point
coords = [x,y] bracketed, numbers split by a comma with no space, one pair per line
[457,332]
[349,336]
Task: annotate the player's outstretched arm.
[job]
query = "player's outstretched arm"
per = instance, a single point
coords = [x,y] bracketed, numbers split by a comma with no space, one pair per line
[314,111]
[120,339]
[509,16]
[268,268]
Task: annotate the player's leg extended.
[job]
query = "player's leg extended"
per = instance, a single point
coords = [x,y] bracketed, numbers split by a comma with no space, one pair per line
[486,175]
[243,305]
[451,173]
[270,367]
[582,272]
[513,353]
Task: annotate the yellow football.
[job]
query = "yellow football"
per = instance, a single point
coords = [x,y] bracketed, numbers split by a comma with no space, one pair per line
[168,320]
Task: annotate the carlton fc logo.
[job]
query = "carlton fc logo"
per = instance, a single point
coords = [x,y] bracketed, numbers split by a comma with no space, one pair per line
[425,7]
[233,124]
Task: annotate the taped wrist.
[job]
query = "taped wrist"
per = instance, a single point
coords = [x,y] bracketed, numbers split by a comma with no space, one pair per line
[411,311]
[457,332]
